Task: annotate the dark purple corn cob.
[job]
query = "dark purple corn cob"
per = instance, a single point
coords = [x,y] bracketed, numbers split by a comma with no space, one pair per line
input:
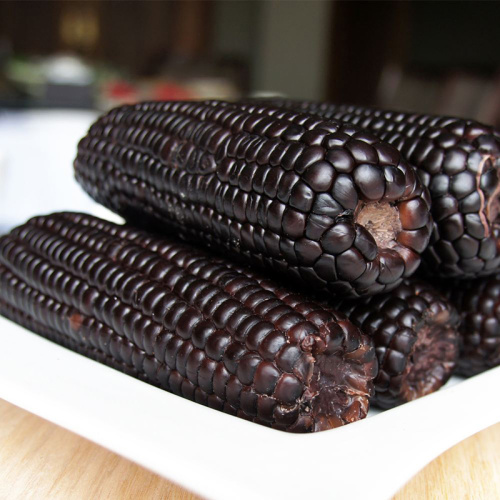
[459,161]
[478,303]
[314,200]
[415,332]
[180,319]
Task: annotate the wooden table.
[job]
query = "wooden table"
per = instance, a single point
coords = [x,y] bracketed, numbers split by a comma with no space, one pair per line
[39,460]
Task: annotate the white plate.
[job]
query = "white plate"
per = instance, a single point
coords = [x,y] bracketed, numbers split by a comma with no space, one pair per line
[213,454]
[223,457]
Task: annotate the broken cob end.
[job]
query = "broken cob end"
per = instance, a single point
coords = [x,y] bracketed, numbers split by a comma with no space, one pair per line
[381,220]
[433,356]
[493,203]
[342,380]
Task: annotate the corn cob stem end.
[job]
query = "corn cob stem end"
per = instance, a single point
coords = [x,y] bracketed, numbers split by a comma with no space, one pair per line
[490,202]
[433,357]
[382,222]
[493,205]
[342,385]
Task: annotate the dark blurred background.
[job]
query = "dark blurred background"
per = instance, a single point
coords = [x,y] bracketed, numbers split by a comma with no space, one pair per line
[440,57]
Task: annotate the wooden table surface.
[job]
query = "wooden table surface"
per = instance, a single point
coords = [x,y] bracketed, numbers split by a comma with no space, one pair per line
[39,460]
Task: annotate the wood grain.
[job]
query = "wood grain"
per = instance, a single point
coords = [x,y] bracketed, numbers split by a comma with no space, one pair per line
[470,470]
[39,460]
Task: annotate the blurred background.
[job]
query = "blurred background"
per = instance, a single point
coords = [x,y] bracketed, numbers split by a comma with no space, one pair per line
[438,57]
[62,62]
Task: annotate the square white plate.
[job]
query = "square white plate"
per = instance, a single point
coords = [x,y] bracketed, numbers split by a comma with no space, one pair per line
[222,457]
[215,455]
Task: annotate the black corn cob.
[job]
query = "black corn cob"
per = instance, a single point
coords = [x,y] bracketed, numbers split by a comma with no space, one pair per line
[315,200]
[180,319]
[459,161]
[478,303]
[415,332]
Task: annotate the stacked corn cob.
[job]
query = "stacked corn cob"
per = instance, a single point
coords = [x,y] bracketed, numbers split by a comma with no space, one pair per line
[459,161]
[319,202]
[315,200]
[185,321]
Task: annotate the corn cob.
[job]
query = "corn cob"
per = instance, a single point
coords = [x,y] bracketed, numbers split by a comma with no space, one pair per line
[478,302]
[415,332]
[459,161]
[187,322]
[313,200]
